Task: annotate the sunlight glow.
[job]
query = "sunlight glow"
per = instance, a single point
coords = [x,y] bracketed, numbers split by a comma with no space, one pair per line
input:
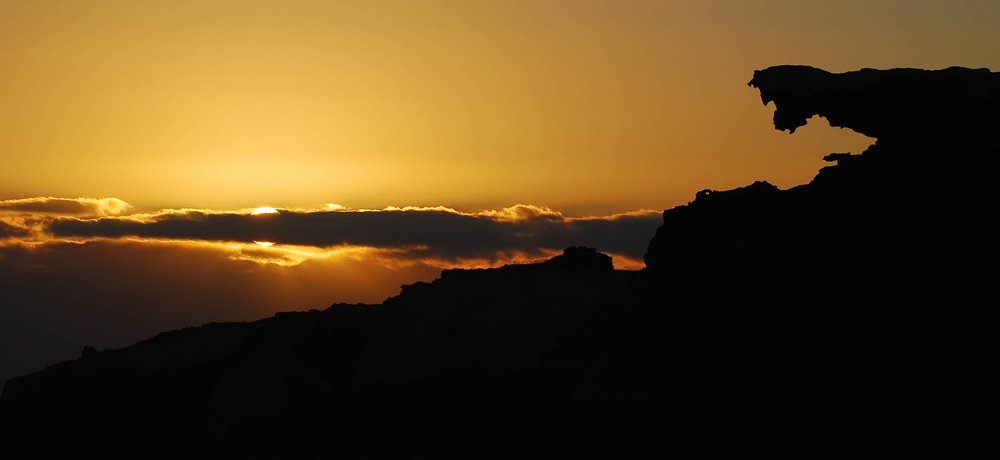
[265,243]
[264,210]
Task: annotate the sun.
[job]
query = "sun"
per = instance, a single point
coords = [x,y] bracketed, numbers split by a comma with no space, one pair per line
[264,210]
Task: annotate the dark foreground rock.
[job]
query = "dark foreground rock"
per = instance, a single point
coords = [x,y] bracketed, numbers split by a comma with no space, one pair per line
[856,313]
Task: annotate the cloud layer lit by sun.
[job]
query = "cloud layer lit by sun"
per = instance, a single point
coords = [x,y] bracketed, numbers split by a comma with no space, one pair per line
[395,236]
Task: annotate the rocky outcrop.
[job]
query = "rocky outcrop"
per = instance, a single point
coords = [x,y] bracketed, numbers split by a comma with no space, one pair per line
[879,267]
[937,147]
[580,258]
[716,229]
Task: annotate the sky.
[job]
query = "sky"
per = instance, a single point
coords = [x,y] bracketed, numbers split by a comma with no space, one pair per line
[396,139]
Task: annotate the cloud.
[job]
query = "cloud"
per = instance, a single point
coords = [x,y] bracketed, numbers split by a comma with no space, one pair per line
[84,207]
[6,230]
[15,227]
[23,221]
[441,234]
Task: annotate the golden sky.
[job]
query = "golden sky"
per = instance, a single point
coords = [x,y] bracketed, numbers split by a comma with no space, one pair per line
[589,107]
[137,136]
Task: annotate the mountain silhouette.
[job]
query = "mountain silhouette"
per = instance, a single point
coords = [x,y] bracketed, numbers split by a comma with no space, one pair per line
[855,313]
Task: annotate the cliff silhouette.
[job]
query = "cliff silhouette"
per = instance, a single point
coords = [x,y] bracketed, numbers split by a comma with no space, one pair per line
[857,312]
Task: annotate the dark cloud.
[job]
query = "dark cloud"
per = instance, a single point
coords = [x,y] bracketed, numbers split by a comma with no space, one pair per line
[435,233]
[11,231]
[55,206]
[65,206]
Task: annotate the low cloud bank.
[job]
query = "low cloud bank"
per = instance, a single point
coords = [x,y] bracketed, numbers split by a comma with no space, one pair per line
[443,236]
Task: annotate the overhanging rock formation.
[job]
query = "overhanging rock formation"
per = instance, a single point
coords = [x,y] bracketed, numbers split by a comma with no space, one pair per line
[892,103]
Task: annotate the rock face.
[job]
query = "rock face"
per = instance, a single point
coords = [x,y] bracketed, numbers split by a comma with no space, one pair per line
[858,311]
[716,230]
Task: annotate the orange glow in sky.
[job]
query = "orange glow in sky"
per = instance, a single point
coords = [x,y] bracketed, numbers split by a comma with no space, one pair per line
[589,107]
